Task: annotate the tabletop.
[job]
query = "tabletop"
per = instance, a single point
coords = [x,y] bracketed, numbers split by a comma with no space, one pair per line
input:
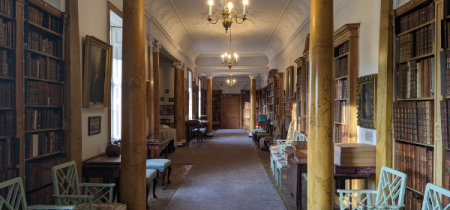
[104,160]
[157,140]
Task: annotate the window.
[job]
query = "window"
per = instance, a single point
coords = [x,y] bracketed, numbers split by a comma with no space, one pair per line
[199,98]
[116,80]
[190,94]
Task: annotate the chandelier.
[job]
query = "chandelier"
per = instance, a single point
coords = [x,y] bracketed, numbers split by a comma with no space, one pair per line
[228,13]
[231,82]
[229,59]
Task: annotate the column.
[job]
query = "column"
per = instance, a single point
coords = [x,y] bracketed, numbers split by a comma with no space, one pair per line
[320,142]
[209,95]
[384,89]
[179,100]
[150,88]
[156,87]
[133,164]
[253,117]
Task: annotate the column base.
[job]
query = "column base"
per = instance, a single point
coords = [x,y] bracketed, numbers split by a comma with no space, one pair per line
[210,135]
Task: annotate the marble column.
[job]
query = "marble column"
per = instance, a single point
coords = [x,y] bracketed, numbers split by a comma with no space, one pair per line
[253,117]
[179,100]
[320,141]
[385,88]
[150,89]
[132,173]
[209,95]
[156,93]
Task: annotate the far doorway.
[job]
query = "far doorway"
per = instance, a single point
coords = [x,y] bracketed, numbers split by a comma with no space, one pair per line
[231,106]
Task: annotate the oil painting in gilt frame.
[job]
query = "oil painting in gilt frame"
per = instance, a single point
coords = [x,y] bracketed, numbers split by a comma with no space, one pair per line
[96,73]
[366,101]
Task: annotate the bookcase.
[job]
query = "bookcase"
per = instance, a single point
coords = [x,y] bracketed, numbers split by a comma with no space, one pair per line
[216,109]
[345,75]
[271,95]
[302,93]
[279,100]
[416,117]
[263,104]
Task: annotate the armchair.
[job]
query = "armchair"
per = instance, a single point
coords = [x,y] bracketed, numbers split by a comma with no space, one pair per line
[15,198]
[67,189]
[390,193]
[432,199]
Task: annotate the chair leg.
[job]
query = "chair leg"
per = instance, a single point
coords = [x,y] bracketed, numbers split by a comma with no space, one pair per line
[147,186]
[163,173]
[281,180]
[155,181]
[276,177]
[168,175]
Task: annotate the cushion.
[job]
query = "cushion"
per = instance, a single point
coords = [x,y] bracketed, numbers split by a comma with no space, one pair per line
[159,164]
[103,206]
[202,130]
[163,126]
[150,175]
[281,164]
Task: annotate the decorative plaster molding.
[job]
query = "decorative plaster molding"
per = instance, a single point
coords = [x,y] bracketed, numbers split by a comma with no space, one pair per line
[209,76]
[253,76]
[178,65]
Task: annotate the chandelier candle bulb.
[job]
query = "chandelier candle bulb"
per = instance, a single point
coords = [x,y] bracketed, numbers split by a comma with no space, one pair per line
[230,7]
[245,4]
[211,3]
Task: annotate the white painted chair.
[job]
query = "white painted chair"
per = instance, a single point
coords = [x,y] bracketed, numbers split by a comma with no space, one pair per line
[282,160]
[274,152]
[432,199]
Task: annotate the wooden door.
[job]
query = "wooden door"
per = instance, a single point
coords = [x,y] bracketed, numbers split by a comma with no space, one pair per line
[231,112]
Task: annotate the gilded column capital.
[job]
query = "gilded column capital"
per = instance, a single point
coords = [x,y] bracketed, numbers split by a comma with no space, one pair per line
[150,39]
[209,76]
[178,65]
[157,46]
[253,76]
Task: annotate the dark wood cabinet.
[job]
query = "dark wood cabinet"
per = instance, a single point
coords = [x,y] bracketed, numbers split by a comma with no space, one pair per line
[296,183]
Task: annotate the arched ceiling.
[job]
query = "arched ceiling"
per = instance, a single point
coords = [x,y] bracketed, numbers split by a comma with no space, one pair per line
[269,27]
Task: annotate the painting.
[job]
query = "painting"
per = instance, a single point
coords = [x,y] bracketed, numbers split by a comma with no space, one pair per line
[166,110]
[96,73]
[365,100]
[94,125]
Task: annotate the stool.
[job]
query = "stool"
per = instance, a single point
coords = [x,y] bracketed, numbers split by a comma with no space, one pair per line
[151,175]
[161,165]
[202,132]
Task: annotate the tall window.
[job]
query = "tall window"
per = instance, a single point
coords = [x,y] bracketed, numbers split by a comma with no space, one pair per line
[199,98]
[190,94]
[116,80]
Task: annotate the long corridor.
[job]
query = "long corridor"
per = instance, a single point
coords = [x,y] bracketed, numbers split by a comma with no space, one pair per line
[226,174]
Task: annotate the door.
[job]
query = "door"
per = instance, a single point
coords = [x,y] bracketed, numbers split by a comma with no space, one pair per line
[231,112]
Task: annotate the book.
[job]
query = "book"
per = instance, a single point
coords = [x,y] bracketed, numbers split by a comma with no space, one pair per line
[41,172]
[43,143]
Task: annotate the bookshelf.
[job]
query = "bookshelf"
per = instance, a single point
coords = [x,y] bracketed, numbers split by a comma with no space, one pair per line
[217,114]
[417,147]
[345,75]
[279,100]
[303,93]
[271,96]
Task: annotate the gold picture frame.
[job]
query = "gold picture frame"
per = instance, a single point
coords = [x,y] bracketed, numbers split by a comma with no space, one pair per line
[96,73]
[366,101]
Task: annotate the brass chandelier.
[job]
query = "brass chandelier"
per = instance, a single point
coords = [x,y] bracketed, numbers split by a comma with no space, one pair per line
[228,13]
[231,82]
[228,58]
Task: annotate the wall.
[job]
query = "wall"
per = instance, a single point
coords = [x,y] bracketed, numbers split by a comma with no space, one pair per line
[167,81]
[221,84]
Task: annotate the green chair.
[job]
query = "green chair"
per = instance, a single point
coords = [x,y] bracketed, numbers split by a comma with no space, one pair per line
[390,193]
[432,199]
[164,166]
[15,198]
[151,175]
[281,163]
[69,192]
[275,153]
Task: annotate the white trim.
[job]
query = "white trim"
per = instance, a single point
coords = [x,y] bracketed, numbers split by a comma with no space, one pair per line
[278,21]
[195,41]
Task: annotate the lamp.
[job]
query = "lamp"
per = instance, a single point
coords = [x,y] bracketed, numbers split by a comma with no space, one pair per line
[228,13]
[229,60]
[231,82]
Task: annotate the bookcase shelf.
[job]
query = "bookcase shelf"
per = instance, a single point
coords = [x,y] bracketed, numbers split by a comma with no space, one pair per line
[415,28]
[43,54]
[417,58]
[416,143]
[414,99]
[341,56]
[44,130]
[42,156]
[415,191]
[6,137]
[6,108]
[43,106]
[339,78]
[44,80]
[6,47]
[43,29]
[341,99]
[8,17]
[6,78]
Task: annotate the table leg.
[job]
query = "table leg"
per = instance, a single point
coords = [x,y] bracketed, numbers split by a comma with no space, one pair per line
[167,151]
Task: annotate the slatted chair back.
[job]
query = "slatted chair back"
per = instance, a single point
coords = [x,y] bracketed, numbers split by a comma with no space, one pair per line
[391,188]
[15,195]
[432,199]
[65,180]
[301,137]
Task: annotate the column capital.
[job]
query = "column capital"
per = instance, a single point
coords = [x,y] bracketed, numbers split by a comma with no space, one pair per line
[178,65]
[253,76]
[157,46]
[150,39]
[209,76]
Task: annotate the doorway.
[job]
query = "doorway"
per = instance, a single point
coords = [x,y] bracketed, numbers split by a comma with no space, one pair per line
[231,111]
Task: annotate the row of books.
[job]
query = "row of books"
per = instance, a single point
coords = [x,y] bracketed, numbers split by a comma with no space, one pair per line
[42,197]
[42,44]
[5,64]
[7,33]
[39,67]
[6,175]
[7,94]
[415,79]
[45,20]
[341,67]
[341,87]
[341,134]
[42,119]
[341,111]
[416,43]
[445,123]
[39,173]
[418,17]
[342,49]
[446,200]
[7,7]
[43,93]
[446,34]
[406,45]
[413,121]
[417,163]
[447,73]
[7,123]
[43,143]
[413,201]
[7,153]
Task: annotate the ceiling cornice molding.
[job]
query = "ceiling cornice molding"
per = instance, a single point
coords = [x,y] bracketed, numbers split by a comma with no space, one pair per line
[251,55]
[182,21]
[338,8]
[275,26]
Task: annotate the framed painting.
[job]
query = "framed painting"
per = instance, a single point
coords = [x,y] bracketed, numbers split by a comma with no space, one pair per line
[166,110]
[96,73]
[366,101]
[94,125]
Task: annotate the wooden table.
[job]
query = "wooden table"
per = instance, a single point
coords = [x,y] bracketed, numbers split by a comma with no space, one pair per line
[156,145]
[104,167]
[189,126]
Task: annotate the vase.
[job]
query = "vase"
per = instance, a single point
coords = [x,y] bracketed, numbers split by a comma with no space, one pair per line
[113,150]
